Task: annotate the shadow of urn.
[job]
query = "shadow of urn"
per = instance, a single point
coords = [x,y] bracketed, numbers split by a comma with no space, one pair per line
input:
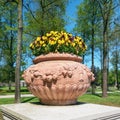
[58,79]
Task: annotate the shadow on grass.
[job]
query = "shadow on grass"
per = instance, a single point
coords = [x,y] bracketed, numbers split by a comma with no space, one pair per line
[109,94]
[27,100]
[98,95]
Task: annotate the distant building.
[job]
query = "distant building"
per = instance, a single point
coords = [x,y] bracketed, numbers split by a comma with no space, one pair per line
[22,83]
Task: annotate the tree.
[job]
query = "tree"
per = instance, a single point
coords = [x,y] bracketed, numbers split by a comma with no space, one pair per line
[87,22]
[48,15]
[8,40]
[19,46]
[106,11]
[115,43]
[94,20]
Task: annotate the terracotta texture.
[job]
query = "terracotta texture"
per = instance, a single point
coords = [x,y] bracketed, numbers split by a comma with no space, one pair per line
[58,81]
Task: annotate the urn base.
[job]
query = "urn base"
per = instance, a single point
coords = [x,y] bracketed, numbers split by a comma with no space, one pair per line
[59,102]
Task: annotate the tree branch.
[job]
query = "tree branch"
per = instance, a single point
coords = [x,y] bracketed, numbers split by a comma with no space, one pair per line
[30,34]
[28,8]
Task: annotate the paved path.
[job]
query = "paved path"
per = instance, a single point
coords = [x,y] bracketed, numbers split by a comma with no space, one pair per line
[12,96]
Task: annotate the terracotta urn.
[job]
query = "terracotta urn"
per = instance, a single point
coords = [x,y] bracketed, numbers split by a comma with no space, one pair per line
[58,79]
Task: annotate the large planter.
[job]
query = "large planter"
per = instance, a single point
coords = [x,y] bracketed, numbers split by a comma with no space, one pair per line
[58,79]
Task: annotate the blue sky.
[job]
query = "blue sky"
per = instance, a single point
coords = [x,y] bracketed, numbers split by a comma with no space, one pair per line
[71,13]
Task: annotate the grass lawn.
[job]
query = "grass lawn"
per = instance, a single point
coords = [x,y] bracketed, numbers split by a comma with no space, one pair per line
[5,90]
[23,100]
[113,99]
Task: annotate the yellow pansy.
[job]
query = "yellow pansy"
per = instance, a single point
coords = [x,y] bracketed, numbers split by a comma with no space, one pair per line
[48,34]
[44,45]
[52,42]
[60,40]
[52,32]
[38,39]
[41,42]
[80,43]
[37,45]
[44,37]
[66,44]
[31,45]
[73,44]
[76,40]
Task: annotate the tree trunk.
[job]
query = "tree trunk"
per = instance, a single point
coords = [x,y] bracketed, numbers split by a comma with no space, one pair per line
[116,66]
[18,59]
[108,60]
[101,65]
[106,9]
[11,54]
[92,46]
[105,56]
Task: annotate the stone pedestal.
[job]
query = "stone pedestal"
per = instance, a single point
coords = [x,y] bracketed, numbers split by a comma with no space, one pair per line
[81,111]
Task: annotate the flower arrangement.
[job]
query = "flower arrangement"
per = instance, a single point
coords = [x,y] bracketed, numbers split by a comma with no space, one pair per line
[55,41]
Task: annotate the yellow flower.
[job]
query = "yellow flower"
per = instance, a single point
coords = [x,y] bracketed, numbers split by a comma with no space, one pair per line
[66,44]
[38,39]
[70,35]
[31,45]
[76,40]
[41,42]
[66,37]
[73,44]
[52,32]
[80,43]
[52,42]
[37,45]
[44,45]
[61,41]
[35,42]
[48,34]
[44,37]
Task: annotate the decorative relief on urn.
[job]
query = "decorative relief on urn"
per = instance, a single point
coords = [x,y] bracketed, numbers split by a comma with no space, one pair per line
[58,82]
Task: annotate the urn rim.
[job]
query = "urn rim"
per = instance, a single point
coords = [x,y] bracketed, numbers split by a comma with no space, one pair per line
[57,56]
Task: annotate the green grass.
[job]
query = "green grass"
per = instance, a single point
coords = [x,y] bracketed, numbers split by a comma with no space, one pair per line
[113,99]
[23,100]
[5,91]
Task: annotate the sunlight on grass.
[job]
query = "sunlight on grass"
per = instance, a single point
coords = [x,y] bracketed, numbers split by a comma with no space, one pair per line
[5,90]
[23,100]
[112,99]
